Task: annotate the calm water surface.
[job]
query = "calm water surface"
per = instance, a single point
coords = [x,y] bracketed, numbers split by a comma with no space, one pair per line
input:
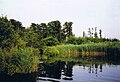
[108,73]
[70,71]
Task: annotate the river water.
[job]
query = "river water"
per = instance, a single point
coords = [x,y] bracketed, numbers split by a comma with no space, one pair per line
[70,71]
[89,71]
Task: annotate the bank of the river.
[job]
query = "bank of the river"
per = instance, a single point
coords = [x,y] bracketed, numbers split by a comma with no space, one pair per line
[26,60]
[90,49]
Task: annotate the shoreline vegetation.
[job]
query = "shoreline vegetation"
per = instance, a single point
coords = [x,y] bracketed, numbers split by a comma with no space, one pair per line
[22,48]
[91,49]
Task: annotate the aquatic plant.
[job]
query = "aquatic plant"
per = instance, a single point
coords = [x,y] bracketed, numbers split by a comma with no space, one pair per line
[22,60]
[50,51]
[92,49]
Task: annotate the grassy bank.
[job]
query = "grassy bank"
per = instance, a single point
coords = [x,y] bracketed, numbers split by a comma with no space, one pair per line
[23,60]
[91,49]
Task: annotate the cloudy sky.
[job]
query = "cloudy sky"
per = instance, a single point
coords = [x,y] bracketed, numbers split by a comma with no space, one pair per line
[104,14]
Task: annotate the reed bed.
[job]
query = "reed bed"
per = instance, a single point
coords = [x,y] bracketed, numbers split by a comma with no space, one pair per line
[91,49]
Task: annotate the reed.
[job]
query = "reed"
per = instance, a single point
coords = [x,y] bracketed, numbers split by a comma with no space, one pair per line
[91,49]
[22,60]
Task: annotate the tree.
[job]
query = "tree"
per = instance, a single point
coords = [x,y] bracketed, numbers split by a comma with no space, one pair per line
[31,38]
[95,35]
[71,40]
[84,35]
[33,26]
[89,32]
[49,41]
[67,29]
[44,30]
[100,33]
[7,33]
[17,25]
[55,29]
[92,33]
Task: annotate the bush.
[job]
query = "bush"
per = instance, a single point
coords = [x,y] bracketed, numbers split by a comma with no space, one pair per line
[2,60]
[49,41]
[24,60]
[71,40]
[50,51]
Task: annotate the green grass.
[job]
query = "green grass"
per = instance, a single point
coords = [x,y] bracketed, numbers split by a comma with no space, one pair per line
[102,48]
[23,60]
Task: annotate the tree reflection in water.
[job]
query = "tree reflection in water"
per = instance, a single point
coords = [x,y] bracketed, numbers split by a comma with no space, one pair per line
[56,69]
[60,69]
[4,77]
[52,70]
[94,68]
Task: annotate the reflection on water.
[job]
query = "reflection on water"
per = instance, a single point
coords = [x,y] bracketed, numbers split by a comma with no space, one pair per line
[17,78]
[81,70]
[78,70]
[57,69]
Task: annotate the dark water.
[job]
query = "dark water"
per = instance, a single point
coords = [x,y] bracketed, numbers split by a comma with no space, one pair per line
[77,70]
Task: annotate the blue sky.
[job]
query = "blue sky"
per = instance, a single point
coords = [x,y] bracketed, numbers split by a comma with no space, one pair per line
[104,14]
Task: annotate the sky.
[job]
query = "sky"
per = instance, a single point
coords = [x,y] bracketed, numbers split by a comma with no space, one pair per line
[103,14]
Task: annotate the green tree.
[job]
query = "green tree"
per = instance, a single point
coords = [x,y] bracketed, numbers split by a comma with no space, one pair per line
[55,29]
[84,35]
[95,35]
[7,33]
[100,33]
[67,29]
[89,32]
[31,38]
[17,25]
[44,30]
[49,41]
[71,40]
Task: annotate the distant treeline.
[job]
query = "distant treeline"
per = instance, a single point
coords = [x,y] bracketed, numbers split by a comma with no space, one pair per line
[13,34]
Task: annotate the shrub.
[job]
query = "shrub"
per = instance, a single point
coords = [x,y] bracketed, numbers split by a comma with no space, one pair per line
[49,41]
[2,60]
[24,60]
[50,51]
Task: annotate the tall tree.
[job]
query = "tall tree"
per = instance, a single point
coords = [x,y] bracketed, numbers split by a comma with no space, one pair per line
[17,25]
[95,35]
[84,35]
[92,33]
[45,32]
[100,33]
[67,29]
[7,33]
[55,29]
[89,32]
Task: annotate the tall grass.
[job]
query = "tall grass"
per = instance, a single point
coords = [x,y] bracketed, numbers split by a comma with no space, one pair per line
[22,60]
[50,52]
[91,49]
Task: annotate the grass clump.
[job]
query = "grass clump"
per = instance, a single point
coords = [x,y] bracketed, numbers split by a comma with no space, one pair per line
[50,51]
[22,60]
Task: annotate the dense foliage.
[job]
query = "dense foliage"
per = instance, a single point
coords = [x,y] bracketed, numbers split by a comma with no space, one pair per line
[23,60]
[20,47]
[90,49]
[51,52]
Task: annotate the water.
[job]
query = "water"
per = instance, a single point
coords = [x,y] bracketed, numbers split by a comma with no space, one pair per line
[108,73]
[70,70]
[79,72]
